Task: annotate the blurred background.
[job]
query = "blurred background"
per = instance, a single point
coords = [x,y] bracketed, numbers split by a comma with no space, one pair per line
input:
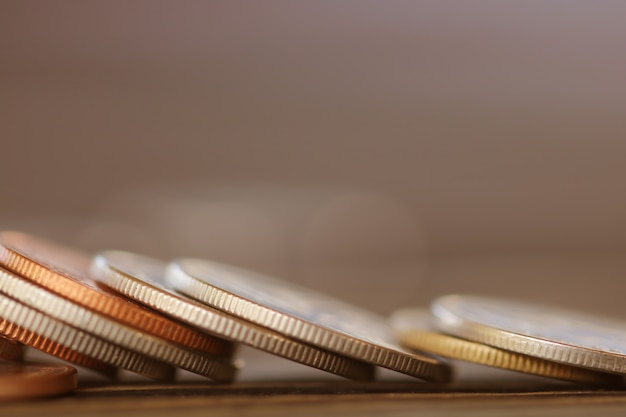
[383,152]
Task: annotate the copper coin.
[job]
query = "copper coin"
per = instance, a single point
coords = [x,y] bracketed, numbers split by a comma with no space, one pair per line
[64,271]
[64,310]
[30,327]
[53,348]
[10,350]
[32,380]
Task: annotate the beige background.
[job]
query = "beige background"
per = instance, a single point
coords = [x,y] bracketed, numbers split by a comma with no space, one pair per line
[385,152]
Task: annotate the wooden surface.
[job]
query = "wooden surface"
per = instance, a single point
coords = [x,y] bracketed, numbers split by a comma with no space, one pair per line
[345,398]
[269,385]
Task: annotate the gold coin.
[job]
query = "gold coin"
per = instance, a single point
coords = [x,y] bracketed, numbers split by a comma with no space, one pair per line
[140,278]
[301,314]
[410,330]
[11,350]
[114,332]
[20,381]
[32,328]
[65,271]
[554,334]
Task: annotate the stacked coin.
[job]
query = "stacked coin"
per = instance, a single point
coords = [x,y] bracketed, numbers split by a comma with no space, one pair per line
[48,302]
[300,314]
[123,310]
[118,310]
[266,314]
[527,338]
[142,279]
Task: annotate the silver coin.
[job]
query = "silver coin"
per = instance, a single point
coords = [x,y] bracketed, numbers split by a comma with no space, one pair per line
[127,338]
[302,314]
[140,278]
[560,335]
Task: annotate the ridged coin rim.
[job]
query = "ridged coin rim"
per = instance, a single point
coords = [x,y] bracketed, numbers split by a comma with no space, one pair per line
[309,332]
[35,329]
[412,330]
[221,324]
[83,291]
[112,331]
[449,322]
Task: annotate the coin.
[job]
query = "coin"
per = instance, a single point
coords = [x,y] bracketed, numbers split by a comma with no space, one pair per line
[20,381]
[11,350]
[302,314]
[114,332]
[554,334]
[141,279]
[53,348]
[64,271]
[410,326]
[32,328]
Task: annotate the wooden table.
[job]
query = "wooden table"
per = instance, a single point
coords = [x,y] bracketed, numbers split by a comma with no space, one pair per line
[272,386]
[344,398]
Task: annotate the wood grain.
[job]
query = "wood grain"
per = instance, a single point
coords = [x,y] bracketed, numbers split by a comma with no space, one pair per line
[328,398]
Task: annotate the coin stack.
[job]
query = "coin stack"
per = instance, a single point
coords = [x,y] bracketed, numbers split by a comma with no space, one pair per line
[118,310]
[532,339]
